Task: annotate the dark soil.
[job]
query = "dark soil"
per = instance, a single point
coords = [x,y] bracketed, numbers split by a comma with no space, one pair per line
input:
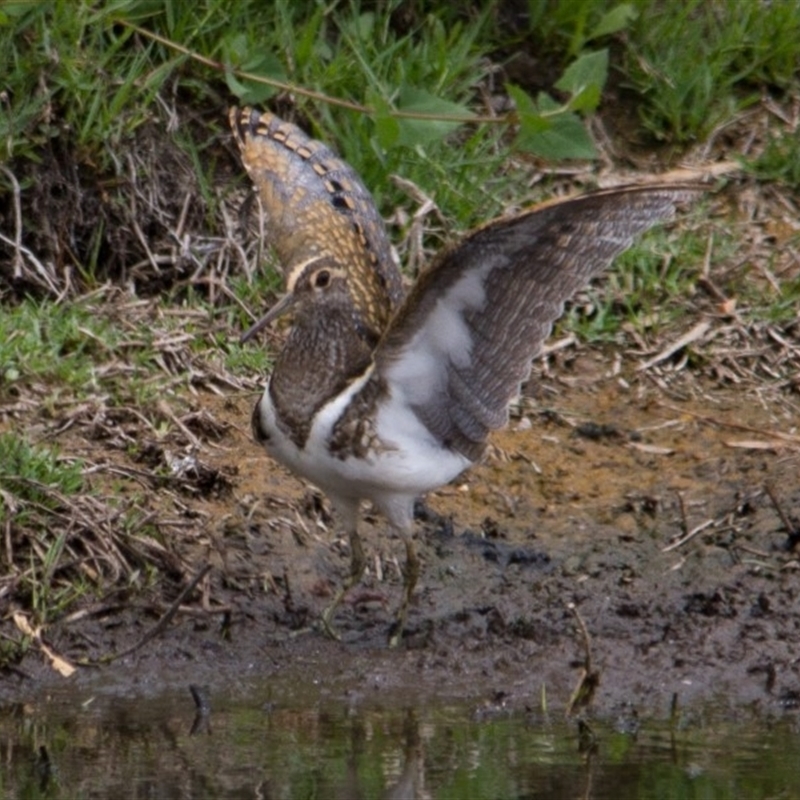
[557,563]
[566,526]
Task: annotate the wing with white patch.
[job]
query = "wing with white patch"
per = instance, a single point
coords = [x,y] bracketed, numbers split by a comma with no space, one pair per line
[463,340]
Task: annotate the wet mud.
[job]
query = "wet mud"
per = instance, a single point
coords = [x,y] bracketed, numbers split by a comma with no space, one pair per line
[641,532]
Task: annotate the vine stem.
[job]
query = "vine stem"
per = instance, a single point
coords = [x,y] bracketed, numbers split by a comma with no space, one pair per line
[505,119]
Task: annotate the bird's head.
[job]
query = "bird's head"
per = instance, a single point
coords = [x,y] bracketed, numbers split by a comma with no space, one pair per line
[320,288]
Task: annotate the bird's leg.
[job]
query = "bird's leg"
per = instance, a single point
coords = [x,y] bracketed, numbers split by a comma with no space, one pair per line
[410,575]
[358,564]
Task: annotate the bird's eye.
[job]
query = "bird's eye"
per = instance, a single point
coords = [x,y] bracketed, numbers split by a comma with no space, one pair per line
[322,279]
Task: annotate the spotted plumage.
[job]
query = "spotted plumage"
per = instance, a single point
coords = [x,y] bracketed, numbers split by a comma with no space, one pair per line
[318,209]
[389,420]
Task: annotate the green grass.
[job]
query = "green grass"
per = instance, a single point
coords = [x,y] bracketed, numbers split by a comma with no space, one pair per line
[653,287]
[650,287]
[59,343]
[34,482]
[779,162]
[83,83]
[129,185]
[88,98]
[67,352]
[691,66]
[30,474]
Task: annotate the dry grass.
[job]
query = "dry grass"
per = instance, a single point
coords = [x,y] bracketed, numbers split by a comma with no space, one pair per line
[179,286]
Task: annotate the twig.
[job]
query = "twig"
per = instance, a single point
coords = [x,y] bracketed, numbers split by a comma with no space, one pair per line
[697,332]
[690,535]
[590,678]
[17,222]
[35,261]
[786,437]
[164,621]
[296,89]
[684,521]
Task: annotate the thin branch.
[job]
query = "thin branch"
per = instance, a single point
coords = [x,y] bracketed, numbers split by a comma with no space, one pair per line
[785,437]
[293,88]
[164,621]
[686,537]
[17,222]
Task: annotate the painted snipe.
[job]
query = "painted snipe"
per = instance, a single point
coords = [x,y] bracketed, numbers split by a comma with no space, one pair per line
[380,397]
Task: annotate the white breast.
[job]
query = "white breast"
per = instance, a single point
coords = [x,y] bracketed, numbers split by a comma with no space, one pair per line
[411,462]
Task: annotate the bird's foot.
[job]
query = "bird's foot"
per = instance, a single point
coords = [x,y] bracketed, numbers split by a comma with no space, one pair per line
[326,621]
[398,626]
[357,564]
[410,576]
[396,631]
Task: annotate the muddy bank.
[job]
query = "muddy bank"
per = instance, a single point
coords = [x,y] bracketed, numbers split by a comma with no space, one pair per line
[661,518]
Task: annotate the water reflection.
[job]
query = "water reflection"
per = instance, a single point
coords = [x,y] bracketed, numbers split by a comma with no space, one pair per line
[173,747]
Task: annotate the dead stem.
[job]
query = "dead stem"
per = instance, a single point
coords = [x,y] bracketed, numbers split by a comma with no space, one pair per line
[162,623]
[589,678]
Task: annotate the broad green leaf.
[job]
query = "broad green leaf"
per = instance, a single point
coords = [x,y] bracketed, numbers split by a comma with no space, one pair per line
[235,47]
[586,74]
[387,128]
[266,65]
[530,119]
[564,138]
[256,93]
[248,92]
[243,56]
[587,99]
[422,131]
[234,84]
[614,20]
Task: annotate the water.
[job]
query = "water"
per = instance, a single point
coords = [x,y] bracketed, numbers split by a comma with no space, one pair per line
[69,746]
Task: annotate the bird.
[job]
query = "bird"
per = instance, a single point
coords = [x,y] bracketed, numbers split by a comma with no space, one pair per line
[382,395]
[318,211]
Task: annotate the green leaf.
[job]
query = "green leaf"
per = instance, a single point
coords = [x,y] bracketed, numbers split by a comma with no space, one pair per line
[387,128]
[614,20]
[267,65]
[584,80]
[587,99]
[244,57]
[248,92]
[565,136]
[234,84]
[530,119]
[423,131]
[236,47]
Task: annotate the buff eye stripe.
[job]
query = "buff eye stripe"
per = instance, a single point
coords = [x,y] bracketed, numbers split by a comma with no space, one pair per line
[321,197]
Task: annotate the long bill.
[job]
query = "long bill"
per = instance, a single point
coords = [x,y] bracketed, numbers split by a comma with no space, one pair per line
[279,309]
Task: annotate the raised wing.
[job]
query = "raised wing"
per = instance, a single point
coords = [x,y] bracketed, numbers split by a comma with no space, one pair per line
[464,338]
[317,207]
